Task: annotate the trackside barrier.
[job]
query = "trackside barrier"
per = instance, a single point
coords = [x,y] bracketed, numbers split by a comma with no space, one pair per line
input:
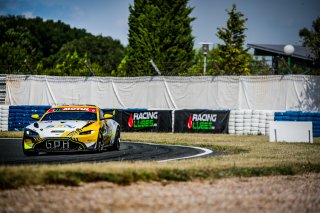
[192,121]
[4,117]
[20,116]
[2,89]
[201,121]
[143,120]
[314,117]
[240,122]
[250,122]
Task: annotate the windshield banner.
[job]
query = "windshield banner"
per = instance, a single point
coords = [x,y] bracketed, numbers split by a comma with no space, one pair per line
[77,109]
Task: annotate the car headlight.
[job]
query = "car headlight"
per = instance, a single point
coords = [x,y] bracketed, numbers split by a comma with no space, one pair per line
[31,133]
[86,132]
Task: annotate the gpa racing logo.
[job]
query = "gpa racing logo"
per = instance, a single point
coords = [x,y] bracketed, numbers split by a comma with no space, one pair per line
[143,119]
[202,121]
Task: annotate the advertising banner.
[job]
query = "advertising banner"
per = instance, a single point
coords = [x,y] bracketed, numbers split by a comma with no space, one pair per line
[204,121]
[144,120]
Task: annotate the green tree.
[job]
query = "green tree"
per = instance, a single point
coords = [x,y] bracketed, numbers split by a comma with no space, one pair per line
[198,64]
[233,58]
[74,65]
[103,51]
[122,68]
[16,50]
[260,66]
[311,39]
[197,68]
[34,45]
[159,31]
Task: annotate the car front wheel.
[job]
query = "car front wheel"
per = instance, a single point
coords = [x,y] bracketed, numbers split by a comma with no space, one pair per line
[27,152]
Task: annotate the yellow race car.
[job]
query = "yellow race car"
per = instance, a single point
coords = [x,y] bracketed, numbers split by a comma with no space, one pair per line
[71,128]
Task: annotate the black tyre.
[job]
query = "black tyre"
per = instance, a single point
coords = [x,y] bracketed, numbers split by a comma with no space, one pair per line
[99,147]
[116,144]
[27,152]
[30,153]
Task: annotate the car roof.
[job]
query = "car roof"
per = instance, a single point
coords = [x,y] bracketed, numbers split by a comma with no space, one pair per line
[75,106]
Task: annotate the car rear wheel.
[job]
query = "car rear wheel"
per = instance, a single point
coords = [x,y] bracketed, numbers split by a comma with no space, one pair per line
[116,143]
[99,147]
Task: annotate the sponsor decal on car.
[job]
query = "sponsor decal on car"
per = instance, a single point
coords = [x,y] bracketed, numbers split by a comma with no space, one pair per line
[143,119]
[202,121]
[79,109]
[85,109]
[60,126]
[57,145]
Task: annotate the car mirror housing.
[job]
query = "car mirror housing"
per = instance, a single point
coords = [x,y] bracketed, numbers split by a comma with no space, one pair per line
[35,116]
[108,116]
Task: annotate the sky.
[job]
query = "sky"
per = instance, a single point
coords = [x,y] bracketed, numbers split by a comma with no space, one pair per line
[269,21]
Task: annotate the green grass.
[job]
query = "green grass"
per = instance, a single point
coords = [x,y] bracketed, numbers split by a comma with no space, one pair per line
[11,134]
[244,156]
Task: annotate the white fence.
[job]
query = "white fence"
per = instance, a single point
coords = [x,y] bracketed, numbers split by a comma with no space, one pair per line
[290,92]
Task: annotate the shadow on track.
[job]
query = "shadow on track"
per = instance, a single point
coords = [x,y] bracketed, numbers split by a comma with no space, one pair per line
[11,154]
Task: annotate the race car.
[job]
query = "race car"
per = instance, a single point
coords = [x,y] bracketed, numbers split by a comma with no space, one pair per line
[71,128]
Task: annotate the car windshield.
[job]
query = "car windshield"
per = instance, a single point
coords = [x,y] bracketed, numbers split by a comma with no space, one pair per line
[82,116]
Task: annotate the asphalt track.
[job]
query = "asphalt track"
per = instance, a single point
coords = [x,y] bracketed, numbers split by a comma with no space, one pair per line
[11,153]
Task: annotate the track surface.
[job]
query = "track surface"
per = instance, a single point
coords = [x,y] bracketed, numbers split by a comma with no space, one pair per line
[11,153]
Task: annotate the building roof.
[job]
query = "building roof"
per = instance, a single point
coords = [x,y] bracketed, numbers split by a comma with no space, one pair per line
[300,52]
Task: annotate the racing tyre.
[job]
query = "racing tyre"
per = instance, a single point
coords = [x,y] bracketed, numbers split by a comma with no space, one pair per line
[29,153]
[116,144]
[99,147]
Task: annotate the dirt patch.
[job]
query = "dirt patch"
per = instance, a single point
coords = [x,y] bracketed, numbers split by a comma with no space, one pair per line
[299,193]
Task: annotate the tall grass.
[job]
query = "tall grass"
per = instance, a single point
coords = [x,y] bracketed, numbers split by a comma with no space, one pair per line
[243,156]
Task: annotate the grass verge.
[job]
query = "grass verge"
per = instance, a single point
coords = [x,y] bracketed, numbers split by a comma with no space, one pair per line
[246,156]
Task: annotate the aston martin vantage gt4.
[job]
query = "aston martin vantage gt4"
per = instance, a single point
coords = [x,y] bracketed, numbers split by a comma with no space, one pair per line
[71,128]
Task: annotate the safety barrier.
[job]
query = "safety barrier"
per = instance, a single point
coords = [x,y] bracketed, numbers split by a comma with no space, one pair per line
[314,117]
[240,122]
[4,117]
[2,89]
[143,120]
[250,122]
[20,116]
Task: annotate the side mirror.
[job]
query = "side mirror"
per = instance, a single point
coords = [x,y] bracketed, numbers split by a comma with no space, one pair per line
[35,116]
[107,116]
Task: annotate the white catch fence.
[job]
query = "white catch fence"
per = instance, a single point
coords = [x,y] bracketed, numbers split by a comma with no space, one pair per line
[290,92]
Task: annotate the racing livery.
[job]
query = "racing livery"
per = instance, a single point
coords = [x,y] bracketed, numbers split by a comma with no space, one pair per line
[71,128]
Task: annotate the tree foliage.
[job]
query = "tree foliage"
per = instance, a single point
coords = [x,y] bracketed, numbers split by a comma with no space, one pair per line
[311,39]
[42,47]
[233,58]
[159,31]
[197,68]
[260,66]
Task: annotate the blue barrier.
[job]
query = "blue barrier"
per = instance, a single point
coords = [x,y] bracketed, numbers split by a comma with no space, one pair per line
[20,115]
[314,117]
